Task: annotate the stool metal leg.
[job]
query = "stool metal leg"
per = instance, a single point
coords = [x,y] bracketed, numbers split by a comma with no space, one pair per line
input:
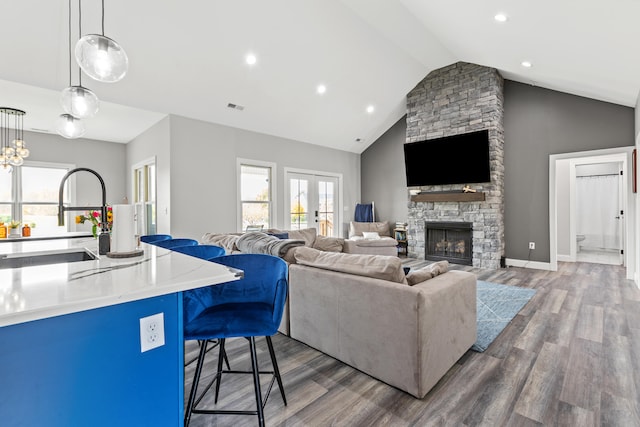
[256,380]
[276,371]
[219,373]
[194,386]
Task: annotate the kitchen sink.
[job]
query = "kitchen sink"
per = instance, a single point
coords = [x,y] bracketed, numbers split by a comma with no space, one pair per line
[28,259]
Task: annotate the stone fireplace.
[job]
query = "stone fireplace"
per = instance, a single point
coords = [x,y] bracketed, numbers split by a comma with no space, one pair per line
[457,99]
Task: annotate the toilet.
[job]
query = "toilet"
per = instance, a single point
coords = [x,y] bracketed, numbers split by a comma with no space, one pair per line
[579,238]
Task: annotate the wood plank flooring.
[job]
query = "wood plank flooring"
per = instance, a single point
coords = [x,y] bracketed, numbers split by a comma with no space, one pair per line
[571,357]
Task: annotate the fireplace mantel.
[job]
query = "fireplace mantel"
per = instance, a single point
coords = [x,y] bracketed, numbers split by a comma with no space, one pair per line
[449,197]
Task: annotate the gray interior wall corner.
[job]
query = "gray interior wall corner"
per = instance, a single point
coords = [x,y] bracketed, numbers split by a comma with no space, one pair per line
[383,178]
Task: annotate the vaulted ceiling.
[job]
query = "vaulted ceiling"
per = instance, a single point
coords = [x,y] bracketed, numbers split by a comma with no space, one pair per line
[188,58]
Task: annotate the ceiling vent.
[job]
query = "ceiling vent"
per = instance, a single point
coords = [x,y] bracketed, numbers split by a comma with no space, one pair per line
[235,106]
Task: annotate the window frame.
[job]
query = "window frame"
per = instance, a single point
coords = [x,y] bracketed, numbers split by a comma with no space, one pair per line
[240,162]
[17,201]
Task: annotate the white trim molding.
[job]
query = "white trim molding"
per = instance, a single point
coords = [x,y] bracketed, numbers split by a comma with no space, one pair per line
[536,265]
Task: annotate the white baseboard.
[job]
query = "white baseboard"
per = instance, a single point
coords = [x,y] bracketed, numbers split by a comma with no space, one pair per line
[536,265]
[566,258]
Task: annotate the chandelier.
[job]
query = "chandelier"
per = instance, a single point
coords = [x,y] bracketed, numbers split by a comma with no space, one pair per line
[13,149]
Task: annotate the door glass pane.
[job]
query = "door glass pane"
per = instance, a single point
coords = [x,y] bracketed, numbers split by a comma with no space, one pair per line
[325,208]
[255,214]
[299,204]
[5,186]
[151,189]
[41,184]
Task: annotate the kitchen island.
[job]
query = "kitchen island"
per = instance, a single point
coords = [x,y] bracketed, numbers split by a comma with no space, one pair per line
[70,336]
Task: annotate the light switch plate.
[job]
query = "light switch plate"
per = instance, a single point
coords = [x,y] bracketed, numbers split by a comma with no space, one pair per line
[151,332]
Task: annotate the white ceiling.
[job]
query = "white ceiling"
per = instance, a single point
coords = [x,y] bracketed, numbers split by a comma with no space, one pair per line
[187,58]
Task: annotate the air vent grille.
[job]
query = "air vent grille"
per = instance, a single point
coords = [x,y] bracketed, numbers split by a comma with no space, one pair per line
[235,106]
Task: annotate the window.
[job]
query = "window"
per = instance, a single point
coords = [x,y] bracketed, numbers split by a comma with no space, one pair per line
[256,194]
[144,196]
[29,194]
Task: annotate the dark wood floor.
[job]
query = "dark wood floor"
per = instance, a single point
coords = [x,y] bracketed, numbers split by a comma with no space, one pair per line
[571,357]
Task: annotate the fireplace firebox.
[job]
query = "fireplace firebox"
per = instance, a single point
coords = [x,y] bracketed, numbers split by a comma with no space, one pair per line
[451,241]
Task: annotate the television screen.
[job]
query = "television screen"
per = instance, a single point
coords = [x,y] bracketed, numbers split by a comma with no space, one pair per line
[457,159]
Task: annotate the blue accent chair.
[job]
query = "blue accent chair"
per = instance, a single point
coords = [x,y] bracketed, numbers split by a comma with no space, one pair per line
[207,252]
[174,243]
[150,238]
[249,307]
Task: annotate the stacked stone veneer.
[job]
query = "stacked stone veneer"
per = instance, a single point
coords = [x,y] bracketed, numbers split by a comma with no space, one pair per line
[453,100]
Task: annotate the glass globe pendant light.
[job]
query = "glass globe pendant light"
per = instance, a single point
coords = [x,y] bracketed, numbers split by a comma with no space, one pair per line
[100,57]
[70,127]
[78,101]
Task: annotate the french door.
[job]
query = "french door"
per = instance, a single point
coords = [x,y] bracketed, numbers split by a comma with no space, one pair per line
[312,202]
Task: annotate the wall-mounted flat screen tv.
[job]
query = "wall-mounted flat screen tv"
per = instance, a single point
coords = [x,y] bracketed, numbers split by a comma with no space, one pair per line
[457,159]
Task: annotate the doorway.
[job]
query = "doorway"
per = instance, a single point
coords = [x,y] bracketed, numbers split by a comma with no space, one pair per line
[312,201]
[598,212]
[590,215]
[144,196]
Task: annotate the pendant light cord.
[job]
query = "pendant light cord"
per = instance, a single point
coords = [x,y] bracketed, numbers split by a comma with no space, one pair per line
[69,43]
[102,18]
[79,36]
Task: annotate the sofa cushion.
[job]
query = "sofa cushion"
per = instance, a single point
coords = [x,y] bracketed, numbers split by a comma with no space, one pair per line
[427,272]
[382,241]
[306,234]
[356,228]
[328,244]
[377,266]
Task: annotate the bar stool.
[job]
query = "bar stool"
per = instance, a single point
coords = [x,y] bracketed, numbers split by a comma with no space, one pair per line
[207,252]
[150,238]
[174,243]
[248,308]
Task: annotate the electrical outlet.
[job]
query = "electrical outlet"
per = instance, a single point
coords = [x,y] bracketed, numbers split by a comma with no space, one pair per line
[532,245]
[151,332]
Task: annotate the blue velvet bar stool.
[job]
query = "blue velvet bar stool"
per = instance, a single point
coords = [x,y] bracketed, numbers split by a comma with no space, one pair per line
[150,238]
[174,243]
[207,252]
[250,307]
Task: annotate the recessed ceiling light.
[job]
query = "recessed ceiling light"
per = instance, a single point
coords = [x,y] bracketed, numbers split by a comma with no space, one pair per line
[250,59]
[526,64]
[500,17]
[321,89]
[370,109]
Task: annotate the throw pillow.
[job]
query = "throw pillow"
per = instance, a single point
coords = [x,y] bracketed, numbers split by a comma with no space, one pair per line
[306,234]
[328,244]
[427,272]
[377,266]
[373,235]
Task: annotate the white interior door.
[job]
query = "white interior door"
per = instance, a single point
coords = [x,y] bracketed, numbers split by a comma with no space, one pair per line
[312,202]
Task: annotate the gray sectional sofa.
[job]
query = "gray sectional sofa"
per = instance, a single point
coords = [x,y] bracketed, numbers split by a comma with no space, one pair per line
[360,309]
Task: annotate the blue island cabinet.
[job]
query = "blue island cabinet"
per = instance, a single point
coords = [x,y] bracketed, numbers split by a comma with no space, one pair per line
[86,369]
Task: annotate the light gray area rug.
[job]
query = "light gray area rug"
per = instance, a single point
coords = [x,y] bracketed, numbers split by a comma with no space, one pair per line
[497,306]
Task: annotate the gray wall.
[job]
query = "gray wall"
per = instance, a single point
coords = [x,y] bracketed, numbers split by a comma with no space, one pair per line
[106,158]
[540,122]
[202,171]
[383,178]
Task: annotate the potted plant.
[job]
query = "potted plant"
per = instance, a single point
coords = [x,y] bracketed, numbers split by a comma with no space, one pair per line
[14,229]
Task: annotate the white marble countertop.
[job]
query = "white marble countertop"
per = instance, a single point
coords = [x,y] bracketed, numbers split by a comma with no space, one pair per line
[38,292]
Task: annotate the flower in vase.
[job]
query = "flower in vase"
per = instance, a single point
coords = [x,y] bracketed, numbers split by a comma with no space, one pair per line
[96,221]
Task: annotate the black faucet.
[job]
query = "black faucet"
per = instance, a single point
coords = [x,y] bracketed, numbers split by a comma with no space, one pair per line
[104,240]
